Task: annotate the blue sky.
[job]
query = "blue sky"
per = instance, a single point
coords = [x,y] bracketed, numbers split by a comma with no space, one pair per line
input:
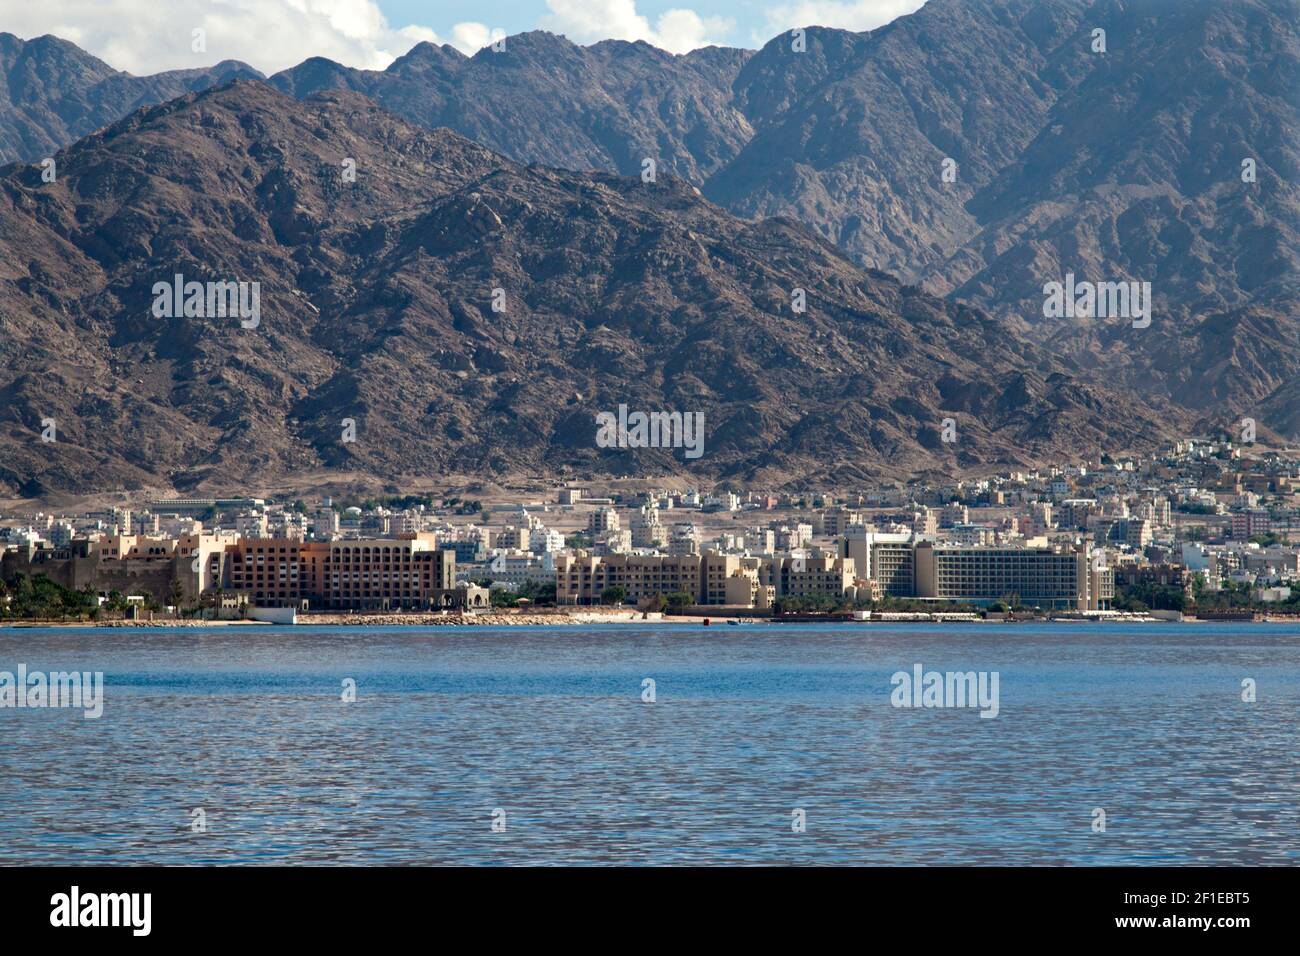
[732,22]
[516,16]
[145,36]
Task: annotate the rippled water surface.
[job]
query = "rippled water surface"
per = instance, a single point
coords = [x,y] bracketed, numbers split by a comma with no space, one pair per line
[749,724]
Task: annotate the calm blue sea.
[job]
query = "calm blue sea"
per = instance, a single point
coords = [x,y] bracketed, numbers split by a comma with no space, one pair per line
[749,724]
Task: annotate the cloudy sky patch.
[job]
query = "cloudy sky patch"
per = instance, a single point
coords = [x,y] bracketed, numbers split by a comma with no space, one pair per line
[145,36]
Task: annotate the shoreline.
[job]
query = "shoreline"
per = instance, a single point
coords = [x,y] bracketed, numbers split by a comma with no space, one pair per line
[403,619]
[490,619]
[571,617]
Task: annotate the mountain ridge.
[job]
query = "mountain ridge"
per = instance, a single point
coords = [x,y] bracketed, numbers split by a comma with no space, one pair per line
[377,307]
[1114,166]
[64,93]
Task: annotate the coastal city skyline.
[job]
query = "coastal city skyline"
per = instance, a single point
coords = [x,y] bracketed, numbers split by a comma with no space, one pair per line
[1209,523]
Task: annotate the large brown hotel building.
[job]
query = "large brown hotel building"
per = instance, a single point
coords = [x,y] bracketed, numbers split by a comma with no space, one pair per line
[378,573]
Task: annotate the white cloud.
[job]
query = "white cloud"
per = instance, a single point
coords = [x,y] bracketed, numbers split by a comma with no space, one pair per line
[854,15]
[677,31]
[146,36]
[472,37]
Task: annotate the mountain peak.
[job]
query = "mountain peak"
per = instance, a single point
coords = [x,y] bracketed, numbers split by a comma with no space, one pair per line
[425,54]
[534,47]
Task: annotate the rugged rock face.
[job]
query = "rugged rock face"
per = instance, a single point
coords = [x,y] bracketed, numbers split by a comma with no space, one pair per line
[543,99]
[377,305]
[853,133]
[1137,174]
[52,92]
[1125,165]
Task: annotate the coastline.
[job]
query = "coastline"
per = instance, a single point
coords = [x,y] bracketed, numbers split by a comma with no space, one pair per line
[568,617]
[495,618]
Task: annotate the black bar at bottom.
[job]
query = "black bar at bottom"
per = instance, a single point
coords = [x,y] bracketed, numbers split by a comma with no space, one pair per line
[331,905]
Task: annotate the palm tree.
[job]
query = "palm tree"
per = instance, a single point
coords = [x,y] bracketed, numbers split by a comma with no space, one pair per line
[174,592]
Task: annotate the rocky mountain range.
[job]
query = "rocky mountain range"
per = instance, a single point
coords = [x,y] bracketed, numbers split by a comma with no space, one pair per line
[52,93]
[542,99]
[468,315]
[1113,140]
